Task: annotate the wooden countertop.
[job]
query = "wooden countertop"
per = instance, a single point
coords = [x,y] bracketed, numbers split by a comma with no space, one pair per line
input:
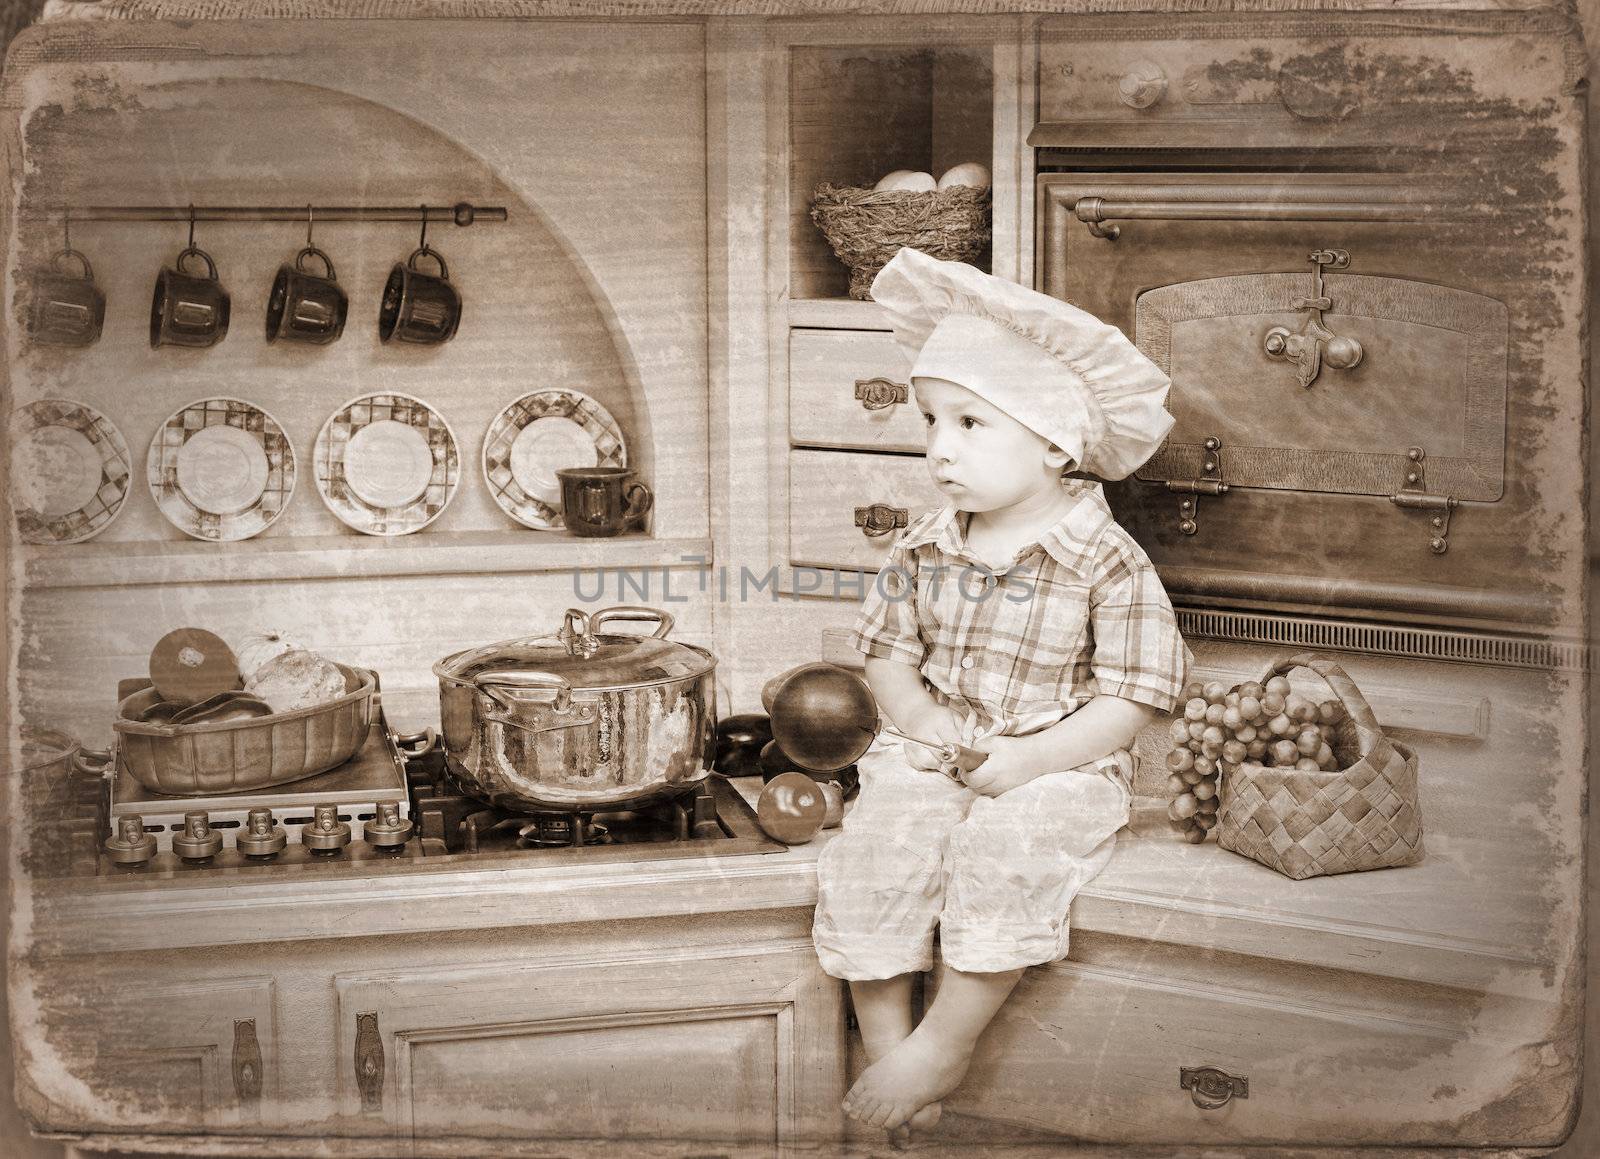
[1469,915]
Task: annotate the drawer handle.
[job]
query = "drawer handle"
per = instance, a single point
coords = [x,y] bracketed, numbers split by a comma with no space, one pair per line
[880,393]
[881,519]
[1210,1088]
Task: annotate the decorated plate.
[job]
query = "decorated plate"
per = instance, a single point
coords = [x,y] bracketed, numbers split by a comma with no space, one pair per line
[387,464]
[221,469]
[537,435]
[70,471]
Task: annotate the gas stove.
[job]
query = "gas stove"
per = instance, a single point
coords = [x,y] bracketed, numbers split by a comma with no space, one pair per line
[386,809]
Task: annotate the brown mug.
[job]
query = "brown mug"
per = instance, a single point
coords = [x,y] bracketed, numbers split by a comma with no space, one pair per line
[188,310]
[601,500]
[67,310]
[418,306]
[303,306]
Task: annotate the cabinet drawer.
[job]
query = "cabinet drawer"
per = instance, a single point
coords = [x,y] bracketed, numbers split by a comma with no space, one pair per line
[1119,1039]
[829,371]
[826,488]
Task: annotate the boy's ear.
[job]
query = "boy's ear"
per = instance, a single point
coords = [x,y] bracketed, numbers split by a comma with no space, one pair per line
[1055,457]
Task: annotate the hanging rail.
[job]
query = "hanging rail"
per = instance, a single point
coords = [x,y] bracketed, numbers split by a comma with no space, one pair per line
[462,213]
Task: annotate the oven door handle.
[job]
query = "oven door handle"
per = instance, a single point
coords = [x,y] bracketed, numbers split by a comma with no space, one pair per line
[1333,204]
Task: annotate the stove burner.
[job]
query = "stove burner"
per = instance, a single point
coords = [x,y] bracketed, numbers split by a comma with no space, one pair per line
[560,830]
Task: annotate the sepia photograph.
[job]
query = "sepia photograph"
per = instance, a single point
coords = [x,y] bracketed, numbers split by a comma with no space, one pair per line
[714,579]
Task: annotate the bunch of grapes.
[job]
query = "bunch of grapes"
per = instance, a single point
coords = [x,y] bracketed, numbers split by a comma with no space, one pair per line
[1221,729]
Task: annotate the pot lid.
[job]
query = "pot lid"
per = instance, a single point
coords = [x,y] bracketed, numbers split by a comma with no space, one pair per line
[584,657]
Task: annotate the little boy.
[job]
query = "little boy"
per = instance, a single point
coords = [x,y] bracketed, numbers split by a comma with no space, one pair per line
[1021,620]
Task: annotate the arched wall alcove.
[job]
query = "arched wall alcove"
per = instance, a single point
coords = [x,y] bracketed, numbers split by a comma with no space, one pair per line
[597,283]
[533,315]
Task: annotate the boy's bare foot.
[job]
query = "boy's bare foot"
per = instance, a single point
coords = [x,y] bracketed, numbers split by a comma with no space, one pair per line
[924,1120]
[926,1117]
[909,1079]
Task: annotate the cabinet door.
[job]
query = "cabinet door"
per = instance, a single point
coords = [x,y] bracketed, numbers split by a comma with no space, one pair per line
[728,1044]
[195,1057]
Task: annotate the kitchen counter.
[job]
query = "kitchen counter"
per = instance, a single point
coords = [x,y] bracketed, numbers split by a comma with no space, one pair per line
[1460,918]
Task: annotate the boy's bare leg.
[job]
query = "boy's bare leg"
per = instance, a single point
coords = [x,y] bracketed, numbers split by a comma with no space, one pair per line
[883,1012]
[933,1059]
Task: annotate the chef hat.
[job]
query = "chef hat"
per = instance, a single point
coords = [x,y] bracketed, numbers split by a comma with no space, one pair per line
[1056,369]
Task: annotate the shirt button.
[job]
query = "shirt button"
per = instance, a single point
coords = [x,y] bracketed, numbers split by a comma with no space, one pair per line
[966,661]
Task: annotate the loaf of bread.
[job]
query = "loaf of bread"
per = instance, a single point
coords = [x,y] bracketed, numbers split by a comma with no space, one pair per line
[296,679]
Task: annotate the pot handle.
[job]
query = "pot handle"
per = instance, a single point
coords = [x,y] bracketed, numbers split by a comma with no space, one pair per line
[416,744]
[499,688]
[626,612]
[93,762]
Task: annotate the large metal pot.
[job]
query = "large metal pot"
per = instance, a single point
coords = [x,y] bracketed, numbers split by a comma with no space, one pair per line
[580,720]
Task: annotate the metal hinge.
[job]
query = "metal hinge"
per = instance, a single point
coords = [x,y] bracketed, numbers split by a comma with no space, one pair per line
[1209,483]
[1414,494]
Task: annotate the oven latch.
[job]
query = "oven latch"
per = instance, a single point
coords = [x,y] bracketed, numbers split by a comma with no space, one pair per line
[1413,493]
[1209,483]
[1315,343]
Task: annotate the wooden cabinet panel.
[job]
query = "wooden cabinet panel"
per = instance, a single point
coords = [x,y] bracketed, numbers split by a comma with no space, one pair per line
[743,1044]
[827,488]
[1119,1041]
[829,371]
[196,1057]
[658,1074]
[1348,78]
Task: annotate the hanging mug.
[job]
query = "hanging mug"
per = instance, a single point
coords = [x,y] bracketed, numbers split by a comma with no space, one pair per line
[68,310]
[303,306]
[599,501]
[418,306]
[188,310]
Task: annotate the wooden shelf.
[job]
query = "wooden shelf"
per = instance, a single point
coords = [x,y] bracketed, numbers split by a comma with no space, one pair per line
[838,314]
[346,556]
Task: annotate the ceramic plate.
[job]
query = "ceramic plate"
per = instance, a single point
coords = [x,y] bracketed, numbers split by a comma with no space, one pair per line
[537,435]
[386,464]
[70,471]
[221,469]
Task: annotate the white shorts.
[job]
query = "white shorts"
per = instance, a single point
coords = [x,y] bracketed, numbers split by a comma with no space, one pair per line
[994,875]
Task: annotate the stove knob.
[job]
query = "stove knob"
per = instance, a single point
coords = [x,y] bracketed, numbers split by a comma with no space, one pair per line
[326,833]
[1142,85]
[388,830]
[131,845]
[262,836]
[198,840]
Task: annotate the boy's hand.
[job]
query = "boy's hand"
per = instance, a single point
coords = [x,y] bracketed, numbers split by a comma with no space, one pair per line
[1002,771]
[937,722]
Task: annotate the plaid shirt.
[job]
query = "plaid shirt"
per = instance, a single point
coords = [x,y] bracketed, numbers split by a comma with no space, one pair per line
[1079,613]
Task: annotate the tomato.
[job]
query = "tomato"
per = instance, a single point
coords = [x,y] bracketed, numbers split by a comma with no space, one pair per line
[791,808]
[833,798]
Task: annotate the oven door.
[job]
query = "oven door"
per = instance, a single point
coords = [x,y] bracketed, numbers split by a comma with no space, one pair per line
[1340,387]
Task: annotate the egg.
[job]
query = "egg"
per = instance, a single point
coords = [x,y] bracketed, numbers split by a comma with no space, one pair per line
[906,180]
[966,173]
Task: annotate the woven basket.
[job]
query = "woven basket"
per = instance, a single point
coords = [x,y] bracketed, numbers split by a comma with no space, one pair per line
[866,228]
[1304,824]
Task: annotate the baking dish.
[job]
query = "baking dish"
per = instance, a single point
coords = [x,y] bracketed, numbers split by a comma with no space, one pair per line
[239,755]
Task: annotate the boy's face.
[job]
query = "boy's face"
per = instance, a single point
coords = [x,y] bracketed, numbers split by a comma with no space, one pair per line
[981,458]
